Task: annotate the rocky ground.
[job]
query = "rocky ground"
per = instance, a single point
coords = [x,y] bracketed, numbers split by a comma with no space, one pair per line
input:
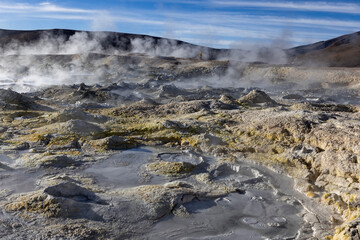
[60,149]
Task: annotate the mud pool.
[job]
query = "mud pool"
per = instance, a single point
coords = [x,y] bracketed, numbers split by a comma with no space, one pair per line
[260,209]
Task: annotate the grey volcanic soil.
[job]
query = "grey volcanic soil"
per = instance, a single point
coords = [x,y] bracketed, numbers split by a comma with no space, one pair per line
[97,146]
[258,208]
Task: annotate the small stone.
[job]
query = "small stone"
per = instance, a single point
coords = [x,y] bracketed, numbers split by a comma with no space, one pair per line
[203,178]
[256,97]
[61,161]
[171,168]
[311,218]
[250,220]
[22,146]
[181,211]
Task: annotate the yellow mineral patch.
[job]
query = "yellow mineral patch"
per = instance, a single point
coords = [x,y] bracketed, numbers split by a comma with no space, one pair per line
[35,202]
[171,168]
[62,140]
[310,194]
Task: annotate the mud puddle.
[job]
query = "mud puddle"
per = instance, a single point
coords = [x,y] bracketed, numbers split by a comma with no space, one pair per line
[254,215]
[262,209]
[127,169]
[123,169]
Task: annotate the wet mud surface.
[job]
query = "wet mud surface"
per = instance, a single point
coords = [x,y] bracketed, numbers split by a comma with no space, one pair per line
[254,210]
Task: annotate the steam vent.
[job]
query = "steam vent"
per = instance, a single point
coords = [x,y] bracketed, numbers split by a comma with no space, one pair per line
[108,135]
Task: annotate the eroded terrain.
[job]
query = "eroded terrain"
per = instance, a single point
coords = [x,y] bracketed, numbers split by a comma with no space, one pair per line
[175,148]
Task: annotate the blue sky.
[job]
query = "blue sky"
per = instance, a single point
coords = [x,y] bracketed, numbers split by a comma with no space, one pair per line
[216,23]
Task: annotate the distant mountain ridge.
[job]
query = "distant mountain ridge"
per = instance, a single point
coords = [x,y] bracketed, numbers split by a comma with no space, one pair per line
[343,51]
[113,39]
[107,40]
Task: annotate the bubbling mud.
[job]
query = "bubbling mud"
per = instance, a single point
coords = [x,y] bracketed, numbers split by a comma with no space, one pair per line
[124,169]
[260,210]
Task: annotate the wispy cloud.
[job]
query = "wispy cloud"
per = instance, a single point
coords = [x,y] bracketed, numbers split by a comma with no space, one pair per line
[255,27]
[219,43]
[42,7]
[234,20]
[336,7]
[48,7]
[51,11]
[325,22]
[101,16]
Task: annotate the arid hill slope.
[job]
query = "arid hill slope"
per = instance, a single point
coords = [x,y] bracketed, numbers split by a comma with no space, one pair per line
[106,42]
[343,51]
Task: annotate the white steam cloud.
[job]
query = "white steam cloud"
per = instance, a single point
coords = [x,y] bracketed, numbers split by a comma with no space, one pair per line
[103,21]
[80,42]
[93,57]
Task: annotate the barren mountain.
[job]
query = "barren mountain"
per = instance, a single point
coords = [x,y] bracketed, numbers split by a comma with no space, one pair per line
[105,42]
[343,51]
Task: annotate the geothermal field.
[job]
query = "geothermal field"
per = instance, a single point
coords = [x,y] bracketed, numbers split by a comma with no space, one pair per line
[118,136]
